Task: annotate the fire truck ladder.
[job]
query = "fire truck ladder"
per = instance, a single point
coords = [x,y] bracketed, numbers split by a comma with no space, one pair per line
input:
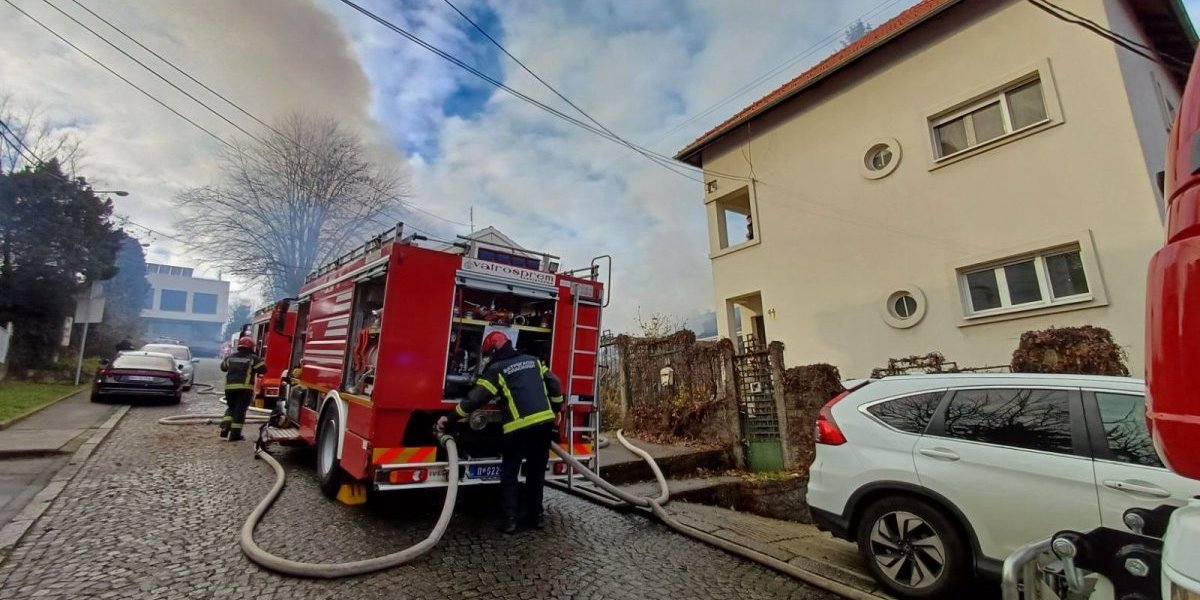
[592,429]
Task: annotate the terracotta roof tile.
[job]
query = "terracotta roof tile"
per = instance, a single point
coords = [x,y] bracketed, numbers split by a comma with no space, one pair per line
[872,40]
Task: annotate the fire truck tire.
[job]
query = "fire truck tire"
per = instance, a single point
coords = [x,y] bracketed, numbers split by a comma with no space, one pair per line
[329,472]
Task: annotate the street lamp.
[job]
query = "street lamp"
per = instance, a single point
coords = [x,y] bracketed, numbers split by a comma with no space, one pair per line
[121,193]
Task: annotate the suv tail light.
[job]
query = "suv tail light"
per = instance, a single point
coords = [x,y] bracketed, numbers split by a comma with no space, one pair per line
[828,432]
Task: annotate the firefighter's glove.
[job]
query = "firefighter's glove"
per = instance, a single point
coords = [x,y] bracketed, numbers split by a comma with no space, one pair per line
[556,429]
[442,423]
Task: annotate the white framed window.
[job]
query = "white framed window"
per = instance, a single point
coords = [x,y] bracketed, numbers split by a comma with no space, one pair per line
[1047,278]
[1014,108]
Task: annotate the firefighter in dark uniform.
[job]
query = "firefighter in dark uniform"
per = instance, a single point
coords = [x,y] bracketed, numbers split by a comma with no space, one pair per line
[240,369]
[531,397]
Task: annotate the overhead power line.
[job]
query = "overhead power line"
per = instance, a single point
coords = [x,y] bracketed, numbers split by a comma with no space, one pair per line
[1166,60]
[152,71]
[18,144]
[177,68]
[119,76]
[663,161]
[183,72]
[547,85]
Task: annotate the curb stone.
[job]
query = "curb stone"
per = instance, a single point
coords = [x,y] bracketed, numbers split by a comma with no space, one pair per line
[12,533]
[37,409]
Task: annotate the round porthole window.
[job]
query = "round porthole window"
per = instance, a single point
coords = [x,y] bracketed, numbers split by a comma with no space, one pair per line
[880,158]
[904,307]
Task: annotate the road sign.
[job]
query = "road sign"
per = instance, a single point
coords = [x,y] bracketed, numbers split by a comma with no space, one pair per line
[89,306]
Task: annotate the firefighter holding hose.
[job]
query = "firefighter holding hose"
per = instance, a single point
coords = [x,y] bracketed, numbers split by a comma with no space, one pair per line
[532,398]
[240,369]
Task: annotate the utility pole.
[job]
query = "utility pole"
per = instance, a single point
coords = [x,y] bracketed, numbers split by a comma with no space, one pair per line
[83,340]
[472,219]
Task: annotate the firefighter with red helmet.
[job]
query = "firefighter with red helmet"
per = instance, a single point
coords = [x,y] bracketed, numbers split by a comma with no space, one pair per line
[240,369]
[531,397]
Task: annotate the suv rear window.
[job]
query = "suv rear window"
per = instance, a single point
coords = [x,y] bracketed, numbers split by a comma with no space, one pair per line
[1020,418]
[910,413]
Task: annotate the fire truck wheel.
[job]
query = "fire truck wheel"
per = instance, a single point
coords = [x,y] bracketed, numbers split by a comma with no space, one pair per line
[329,473]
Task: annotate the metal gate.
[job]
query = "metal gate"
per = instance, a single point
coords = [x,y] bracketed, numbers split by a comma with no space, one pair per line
[756,406]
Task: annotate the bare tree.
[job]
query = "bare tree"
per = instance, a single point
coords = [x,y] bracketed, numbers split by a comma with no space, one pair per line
[658,324]
[35,137]
[289,202]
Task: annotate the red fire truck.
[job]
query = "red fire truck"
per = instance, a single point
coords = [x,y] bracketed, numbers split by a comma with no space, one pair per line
[388,339]
[272,328]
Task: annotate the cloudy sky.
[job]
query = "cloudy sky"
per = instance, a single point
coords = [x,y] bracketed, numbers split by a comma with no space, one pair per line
[659,72]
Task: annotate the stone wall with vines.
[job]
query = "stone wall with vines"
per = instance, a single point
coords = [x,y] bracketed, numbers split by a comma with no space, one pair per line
[697,403]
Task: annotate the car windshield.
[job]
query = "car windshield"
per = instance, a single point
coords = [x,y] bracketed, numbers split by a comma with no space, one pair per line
[139,361]
[179,352]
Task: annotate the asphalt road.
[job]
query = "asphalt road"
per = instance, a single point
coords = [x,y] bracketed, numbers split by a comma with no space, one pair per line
[156,511]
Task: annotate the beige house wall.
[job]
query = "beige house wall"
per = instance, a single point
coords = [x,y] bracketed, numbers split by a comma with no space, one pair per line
[832,245]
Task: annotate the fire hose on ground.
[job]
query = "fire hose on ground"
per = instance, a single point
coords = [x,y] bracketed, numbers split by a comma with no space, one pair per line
[655,507]
[611,495]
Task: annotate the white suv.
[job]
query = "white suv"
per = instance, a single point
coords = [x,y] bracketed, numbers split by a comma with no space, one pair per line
[940,477]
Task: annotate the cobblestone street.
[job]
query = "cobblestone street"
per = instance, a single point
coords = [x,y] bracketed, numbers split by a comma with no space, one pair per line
[156,512]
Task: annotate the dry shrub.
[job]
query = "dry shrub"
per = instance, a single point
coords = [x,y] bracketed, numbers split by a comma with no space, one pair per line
[1085,350]
[820,380]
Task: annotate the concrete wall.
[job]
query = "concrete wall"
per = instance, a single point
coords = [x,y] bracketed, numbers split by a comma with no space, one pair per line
[832,245]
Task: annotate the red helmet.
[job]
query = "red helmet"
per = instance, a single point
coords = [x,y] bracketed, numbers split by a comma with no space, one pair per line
[245,343]
[494,341]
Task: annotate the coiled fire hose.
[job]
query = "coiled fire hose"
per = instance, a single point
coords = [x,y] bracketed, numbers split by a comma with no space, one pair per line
[358,567]
[253,415]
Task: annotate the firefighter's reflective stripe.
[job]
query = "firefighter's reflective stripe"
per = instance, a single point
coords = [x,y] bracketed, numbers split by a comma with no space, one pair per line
[510,401]
[458,409]
[240,370]
[556,400]
[487,385]
[527,421]
[422,454]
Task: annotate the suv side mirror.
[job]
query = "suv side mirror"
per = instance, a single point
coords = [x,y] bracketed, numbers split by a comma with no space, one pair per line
[195,361]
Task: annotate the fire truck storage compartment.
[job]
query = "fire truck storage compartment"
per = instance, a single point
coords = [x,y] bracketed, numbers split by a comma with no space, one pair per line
[526,314]
[366,320]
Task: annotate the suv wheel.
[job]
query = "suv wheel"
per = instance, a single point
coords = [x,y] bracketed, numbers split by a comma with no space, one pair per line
[913,548]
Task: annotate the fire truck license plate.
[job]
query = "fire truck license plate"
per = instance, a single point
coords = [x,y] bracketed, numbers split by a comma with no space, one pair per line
[483,472]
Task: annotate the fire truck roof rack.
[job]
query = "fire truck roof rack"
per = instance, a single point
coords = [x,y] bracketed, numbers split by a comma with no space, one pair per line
[371,244]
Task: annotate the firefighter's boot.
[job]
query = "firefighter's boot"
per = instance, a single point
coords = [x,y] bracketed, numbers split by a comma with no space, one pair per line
[225,430]
[538,521]
[235,435]
[507,526]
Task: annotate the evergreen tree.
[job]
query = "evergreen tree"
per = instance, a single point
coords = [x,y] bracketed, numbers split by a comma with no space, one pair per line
[56,238]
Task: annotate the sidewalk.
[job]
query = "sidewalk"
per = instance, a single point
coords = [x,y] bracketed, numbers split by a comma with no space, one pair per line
[34,449]
[52,429]
[800,545]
